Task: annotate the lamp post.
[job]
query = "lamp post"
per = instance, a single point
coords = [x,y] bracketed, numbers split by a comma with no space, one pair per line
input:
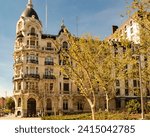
[141,90]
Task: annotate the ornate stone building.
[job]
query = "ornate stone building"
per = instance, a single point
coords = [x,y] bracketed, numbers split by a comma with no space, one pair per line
[39,86]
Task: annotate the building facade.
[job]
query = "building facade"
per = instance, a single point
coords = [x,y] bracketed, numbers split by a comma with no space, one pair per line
[127,89]
[2,102]
[39,86]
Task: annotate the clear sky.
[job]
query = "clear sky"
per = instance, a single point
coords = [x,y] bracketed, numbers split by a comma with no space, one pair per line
[94,17]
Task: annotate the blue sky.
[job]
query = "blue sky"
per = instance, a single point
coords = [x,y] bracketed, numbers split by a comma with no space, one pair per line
[94,17]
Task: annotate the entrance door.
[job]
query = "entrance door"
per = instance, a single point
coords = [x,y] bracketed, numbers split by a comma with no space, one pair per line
[31,107]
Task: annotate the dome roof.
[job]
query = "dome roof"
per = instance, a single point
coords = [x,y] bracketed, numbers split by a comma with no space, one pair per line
[29,12]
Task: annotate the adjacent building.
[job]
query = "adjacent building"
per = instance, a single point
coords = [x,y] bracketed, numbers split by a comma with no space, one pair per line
[128,89]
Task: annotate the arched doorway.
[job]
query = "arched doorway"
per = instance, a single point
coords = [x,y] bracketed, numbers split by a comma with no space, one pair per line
[31,107]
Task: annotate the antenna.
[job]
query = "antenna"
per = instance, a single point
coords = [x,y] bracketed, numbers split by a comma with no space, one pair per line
[46,17]
[77,19]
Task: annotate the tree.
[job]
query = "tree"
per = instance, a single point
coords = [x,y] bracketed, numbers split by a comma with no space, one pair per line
[89,63]
[10,104]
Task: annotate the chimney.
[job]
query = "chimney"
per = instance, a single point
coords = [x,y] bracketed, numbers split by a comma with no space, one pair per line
[114,28]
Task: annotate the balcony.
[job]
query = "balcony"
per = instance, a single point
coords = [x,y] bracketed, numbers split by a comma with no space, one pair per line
[18,61]
[37,76]
[33,61]
[49,49]
[32,35]
[49,77]
[16,77]
[49,63]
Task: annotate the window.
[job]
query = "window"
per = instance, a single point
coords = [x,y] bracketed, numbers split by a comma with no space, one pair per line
[49,104]
[32,42]
[37,43]
[66,86]
[117,83]
[60,86]
[126,84]
[46,86]
[32,30]
[136,83]
[49,46]
[49,61]
[125,28]
[36,70]
[118,103]
[27,42]
[65,104]
[65,45]
[27,85]
[36,85]
[19,102]
[19,85]
[51,86]
[79,105]
[131,23]
[126,92]
[27,70]
[117,91]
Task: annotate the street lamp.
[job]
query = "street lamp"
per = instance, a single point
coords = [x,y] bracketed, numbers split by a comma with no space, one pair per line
[141,90]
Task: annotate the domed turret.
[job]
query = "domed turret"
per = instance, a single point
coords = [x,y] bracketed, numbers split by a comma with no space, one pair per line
[29,11]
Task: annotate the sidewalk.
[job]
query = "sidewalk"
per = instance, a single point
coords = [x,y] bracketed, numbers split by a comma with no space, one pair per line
[12,117]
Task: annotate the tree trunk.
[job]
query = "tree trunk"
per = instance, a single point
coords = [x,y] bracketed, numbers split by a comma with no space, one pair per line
[107,103]
[93,112]
[92,106]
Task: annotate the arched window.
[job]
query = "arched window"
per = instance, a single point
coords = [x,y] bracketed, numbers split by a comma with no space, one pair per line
[32,30]
[65,45]
[19,102]
[49,104]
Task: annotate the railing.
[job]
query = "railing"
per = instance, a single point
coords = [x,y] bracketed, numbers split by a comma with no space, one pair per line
[33,61]
[32,34]
[49,63]
[18,61]
[50,49]
[49,77]
[32,76]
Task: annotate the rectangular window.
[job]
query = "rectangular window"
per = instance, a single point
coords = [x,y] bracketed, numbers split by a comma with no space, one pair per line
[126,84]
[65,105]
[126,92]
[36,85]
[49,46]
[27,85]
[60,86]
[27,42]
[51,86]
[117,91]
[46,87]
[36,70]
[32,42]
[136,83]
[66,87]
[80,106]
[19,86]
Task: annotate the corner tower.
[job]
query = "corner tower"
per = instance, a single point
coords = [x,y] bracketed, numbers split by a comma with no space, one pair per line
[26,78]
